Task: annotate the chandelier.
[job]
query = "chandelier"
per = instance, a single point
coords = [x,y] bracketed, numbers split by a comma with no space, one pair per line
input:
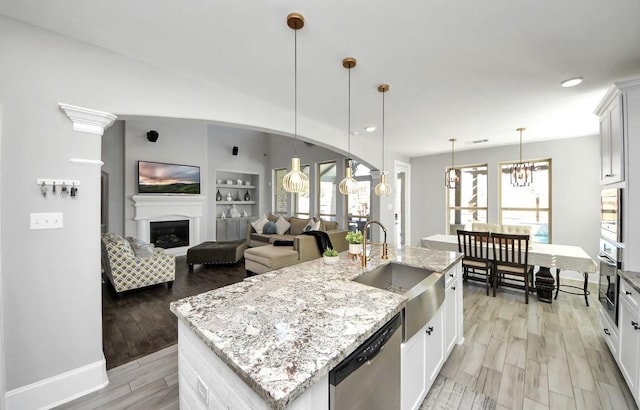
[451,177]
[383,189]
[349,185]
[522,172]
[295,180]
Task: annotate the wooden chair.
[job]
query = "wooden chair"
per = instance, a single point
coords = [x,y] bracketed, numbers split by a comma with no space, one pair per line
[475,246]
[510,262]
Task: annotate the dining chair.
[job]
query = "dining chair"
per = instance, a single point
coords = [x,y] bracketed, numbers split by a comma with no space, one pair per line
[510,262]
[476,261]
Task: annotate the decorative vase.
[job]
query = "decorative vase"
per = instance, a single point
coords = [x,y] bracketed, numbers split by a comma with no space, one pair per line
[331,260]
[247,197]
[229,198]
[237,196]
[355,248]
[234,212]
[218,196]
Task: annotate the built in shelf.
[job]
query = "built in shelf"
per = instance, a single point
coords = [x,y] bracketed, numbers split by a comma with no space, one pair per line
[236,186]
[235,202]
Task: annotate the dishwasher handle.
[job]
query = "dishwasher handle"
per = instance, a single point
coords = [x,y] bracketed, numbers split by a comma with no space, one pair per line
[365,353]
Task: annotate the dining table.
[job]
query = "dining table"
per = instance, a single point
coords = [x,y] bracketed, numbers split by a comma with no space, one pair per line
[545,255]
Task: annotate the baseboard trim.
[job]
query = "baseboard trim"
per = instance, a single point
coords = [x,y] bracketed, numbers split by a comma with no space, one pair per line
[60,389]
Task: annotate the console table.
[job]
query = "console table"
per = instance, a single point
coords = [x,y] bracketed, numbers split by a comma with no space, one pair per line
[548,256]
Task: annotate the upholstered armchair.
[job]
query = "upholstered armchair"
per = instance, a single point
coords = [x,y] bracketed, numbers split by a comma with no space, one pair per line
[132,264]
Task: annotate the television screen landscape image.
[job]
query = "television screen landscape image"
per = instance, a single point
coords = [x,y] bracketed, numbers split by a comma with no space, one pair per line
[162,178]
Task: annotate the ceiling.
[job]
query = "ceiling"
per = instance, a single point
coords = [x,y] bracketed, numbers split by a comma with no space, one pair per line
[471,70]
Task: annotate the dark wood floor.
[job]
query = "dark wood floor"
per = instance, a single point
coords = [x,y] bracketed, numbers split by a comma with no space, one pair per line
[141,323]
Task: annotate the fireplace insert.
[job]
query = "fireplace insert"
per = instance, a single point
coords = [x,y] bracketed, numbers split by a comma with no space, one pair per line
[169,234]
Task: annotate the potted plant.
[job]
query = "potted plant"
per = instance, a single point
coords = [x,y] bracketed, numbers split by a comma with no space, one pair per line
[330,256]
[354,238]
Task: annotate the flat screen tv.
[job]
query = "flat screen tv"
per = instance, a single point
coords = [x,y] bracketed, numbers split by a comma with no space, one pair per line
[162,178]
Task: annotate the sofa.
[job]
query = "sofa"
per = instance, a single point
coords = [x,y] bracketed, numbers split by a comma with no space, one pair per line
[132,264]
[262,255]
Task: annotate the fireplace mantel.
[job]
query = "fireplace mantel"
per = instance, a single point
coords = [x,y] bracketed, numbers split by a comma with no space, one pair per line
[152,208]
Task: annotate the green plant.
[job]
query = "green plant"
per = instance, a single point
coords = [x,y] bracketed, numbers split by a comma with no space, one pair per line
[330,252]
[354,237]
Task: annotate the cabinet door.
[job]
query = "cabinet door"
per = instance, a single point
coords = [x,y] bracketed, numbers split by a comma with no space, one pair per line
[451,316]
[413,376]
[221,230]
[617,144]
[233,233]
[629,343]
[434,346]
[612,144]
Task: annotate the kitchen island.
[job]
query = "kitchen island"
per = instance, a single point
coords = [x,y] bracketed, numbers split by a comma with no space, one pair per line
[271,340]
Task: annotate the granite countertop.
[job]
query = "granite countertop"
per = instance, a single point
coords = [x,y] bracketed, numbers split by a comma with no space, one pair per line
[632,278]
[283,330]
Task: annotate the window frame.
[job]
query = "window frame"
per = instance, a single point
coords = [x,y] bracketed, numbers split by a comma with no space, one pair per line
[274,194]
[330,217]
[549,210]
[296,196]
[466,208]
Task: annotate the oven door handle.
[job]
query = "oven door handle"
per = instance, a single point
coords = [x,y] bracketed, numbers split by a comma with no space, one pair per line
[606,261]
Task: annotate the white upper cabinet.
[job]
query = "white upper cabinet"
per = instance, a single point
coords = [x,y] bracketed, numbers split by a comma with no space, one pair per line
[611,138]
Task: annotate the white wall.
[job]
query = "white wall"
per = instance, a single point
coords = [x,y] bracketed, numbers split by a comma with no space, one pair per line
[113,158]
[575,188]
[51,279]
[252,158]
[179,142]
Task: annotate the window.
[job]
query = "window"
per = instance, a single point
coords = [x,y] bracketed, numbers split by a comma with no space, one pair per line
[301,200]
[327,190]
[280,196]
[468,202]
[529,205]
[359,204]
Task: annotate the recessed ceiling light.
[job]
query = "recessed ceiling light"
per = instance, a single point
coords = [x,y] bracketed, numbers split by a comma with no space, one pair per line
[370,128]
[354,133]
[571,82]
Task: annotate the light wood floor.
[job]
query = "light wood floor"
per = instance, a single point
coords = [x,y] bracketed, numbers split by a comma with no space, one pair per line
[536,356]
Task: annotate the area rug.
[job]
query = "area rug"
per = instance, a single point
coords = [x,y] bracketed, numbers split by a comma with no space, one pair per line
[446,394]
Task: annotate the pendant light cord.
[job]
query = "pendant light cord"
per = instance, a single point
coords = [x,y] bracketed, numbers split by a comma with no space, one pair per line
[382,168]
[520,146]
[349,122]
[452,162]
[295,93]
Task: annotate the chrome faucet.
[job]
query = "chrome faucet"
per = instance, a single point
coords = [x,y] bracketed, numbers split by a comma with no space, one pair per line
[364,242]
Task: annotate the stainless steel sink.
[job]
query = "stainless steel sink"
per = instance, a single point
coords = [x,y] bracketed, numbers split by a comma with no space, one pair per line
[423,287]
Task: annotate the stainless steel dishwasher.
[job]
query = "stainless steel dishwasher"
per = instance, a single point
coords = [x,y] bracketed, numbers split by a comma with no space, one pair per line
[369,378]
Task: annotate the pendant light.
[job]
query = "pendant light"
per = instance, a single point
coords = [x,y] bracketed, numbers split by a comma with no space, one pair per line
[451,178]
[349,185]
[383,189]
[295,180]
[522,172]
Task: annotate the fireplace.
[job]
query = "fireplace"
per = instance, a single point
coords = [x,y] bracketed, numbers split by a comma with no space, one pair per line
[169,234]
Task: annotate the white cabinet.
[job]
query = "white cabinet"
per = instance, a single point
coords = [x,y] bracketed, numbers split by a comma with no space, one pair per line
[629,325]
[421,357]
[611,140]
[453,308]
[609,333]
[235,191]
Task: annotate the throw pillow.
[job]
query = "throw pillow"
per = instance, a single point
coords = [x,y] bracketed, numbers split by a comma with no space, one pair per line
[282,225]
[310,226]
[317,226]
[259,224]
[269,228]
[140,248]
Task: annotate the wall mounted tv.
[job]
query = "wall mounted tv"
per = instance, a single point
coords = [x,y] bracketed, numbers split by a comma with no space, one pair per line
[162,178]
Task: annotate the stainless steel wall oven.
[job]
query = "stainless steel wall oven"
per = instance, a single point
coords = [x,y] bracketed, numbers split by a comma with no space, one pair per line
[610,258]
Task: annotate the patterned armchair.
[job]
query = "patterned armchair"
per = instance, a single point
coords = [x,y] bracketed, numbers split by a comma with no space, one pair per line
[132,264]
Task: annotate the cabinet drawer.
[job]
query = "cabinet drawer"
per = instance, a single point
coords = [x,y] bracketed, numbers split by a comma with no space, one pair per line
[610,333]
[628,293]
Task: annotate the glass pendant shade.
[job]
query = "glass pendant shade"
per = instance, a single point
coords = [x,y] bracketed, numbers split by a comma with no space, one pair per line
[383,189]
[451,178]
[295,180]
[522,172]
[348,185]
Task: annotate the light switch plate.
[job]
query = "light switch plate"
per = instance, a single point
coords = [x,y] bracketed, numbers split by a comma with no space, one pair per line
[51,220]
